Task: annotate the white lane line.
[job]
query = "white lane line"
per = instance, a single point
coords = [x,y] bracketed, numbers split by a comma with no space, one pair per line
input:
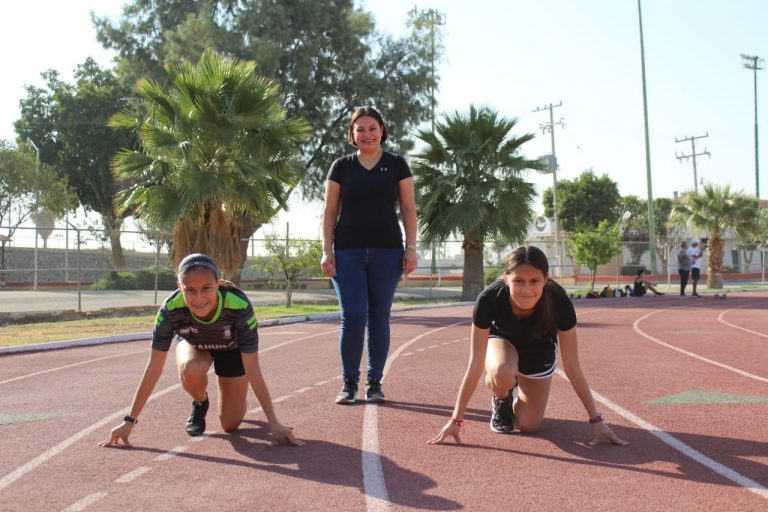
[721,319]
[280,398]
[637,329]
[304,390]
[63,445]
[374,485]
[84,503]
[49,370]
[131,475]
[680,446]
[171,453]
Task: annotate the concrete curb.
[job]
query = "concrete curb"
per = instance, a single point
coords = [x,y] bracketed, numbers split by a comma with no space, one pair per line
[121,338]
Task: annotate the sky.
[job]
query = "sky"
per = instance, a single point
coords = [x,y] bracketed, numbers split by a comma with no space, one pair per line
[516,56]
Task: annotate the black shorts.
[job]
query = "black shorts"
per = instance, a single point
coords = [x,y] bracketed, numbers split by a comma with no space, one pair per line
[695,273]
[228,363]
[534,360]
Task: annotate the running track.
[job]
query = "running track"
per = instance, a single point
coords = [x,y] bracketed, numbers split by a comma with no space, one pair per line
[684,381]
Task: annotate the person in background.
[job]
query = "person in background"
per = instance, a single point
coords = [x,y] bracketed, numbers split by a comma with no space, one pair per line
[214,324]
[683,266]
[695,255]
[363,251]
[642,285]
[518,321]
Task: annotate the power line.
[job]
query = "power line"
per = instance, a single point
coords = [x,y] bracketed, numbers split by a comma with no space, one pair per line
[693,155]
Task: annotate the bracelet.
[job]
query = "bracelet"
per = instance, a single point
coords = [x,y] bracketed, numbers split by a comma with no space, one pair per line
[596,419]
[128,419]
[410,246]
[457,422]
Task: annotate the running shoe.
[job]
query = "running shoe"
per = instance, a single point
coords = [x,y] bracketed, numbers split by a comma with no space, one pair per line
[348,394]
[373,392]
[502,415]
[695,295]
[196,420]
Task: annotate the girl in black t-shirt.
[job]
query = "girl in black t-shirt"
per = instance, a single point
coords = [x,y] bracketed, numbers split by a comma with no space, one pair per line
[214,324]
[517,323]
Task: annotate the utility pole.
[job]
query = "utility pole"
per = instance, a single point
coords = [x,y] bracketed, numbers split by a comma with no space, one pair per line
[651,216]
[693,156]
[431,18]
[550,127]
[755,63]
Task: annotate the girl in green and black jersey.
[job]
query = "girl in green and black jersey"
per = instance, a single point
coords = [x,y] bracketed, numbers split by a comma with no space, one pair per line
[214,324]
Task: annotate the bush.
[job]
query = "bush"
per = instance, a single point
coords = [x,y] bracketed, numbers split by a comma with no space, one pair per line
[166,278]
[116,281]
[631,270]
[491,273]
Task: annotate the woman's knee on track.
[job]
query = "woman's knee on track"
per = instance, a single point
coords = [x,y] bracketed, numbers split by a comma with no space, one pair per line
[193,371]
[501,378]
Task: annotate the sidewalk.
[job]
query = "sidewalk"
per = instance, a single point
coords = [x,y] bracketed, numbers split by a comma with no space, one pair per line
[17,305]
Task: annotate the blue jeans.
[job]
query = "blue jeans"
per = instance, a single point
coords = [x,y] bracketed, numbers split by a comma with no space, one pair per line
[365,283]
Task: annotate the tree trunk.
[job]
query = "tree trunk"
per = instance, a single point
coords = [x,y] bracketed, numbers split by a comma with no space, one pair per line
[112,225]
[250,226]
[716,248]
[288,293]
[473,282]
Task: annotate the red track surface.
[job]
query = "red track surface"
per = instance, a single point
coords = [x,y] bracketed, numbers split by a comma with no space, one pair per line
[56,406]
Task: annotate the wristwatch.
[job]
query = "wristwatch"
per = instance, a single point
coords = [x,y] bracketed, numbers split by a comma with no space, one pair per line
[135,421]
[596,419]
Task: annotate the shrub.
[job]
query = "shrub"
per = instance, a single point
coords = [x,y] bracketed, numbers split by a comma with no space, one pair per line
[491,273]
[166,278]
[116,281]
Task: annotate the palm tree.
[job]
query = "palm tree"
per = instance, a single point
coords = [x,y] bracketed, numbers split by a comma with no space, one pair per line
[468,182]
[716,210]
[216,151]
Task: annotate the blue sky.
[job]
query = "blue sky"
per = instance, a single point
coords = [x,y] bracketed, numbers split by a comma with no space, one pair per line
[517,55]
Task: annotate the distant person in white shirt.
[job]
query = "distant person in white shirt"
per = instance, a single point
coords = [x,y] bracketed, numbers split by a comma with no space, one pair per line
[695,254]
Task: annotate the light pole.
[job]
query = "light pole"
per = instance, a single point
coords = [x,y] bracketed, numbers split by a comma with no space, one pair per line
[37,202]
[431,18]
[755,63]
[552,164]
[651,216]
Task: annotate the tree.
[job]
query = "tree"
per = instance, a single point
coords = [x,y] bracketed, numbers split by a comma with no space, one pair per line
[68,122]
[716,210]
[26,188]
[327,57]
[294,259]
[594,247]
[469,183]
[634,227]
[215,148]
[585,201]
[751,236]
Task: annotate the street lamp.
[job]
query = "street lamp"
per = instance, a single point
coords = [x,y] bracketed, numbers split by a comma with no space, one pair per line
[552,166]
[755,63]
[37,202]
[651,216]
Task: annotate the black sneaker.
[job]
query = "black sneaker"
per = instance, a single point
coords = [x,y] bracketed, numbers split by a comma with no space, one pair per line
[373,392]
[196,420]
[348,394]
[502,416]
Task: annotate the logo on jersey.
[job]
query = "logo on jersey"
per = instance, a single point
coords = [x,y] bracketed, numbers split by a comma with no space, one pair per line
[383,169]
[227,333]
[188,330]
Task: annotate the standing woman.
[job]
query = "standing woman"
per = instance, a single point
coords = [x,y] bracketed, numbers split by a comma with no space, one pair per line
[517,323]
[214,324]
[363,246]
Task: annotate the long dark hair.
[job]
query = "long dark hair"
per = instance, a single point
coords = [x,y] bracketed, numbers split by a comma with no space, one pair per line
[545,320]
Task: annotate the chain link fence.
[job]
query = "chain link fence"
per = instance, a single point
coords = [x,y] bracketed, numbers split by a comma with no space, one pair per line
[74,270]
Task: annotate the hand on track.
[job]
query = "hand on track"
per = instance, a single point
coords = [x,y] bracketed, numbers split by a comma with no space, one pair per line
[604,435]
[450,429]
[284,435]
[121,431]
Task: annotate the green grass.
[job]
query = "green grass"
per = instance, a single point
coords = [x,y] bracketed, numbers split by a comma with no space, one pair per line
[25,334]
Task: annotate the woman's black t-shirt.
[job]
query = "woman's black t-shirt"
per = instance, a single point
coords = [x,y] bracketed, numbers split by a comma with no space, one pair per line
[368,217]
[493,309]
